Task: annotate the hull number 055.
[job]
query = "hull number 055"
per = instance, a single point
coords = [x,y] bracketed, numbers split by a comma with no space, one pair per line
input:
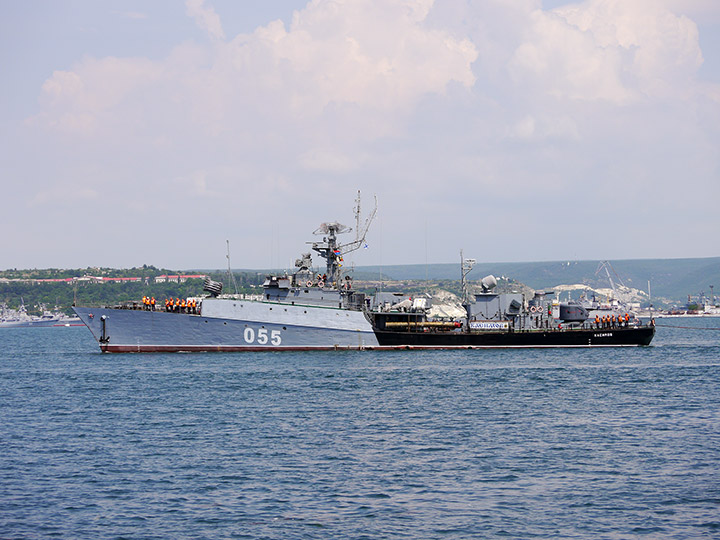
[262,336]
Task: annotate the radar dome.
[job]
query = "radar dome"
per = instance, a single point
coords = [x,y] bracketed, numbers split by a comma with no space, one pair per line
[488,283]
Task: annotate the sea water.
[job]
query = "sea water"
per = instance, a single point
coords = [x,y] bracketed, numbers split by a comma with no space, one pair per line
[537,443]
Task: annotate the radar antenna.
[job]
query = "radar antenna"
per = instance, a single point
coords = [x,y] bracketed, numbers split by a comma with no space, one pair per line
[330,250]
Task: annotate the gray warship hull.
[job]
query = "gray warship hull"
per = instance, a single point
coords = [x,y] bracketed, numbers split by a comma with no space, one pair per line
[20,319]
[229,325]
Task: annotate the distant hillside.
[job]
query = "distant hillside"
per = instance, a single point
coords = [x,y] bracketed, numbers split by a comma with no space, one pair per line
[673,279]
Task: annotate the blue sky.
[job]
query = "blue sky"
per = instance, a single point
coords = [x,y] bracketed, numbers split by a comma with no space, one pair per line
[517,130]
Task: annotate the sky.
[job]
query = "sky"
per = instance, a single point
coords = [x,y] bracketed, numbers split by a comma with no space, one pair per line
[139,132]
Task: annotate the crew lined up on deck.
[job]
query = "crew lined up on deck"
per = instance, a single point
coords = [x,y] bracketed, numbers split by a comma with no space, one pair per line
[611,321]
[178,305]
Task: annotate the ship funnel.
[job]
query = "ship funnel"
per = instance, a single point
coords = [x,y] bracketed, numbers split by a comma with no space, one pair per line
[488,283]
[213,287]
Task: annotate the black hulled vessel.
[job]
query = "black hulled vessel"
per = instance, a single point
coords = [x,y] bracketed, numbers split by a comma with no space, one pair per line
[496,320]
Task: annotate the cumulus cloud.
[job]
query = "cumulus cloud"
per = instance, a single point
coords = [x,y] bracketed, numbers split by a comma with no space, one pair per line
[375,59]
[374,52]
[609,50]
[498,99]
[345,73]
[97,89]
[375,55]
[205,17]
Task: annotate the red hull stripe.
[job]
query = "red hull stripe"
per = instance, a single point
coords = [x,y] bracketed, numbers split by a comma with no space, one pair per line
[233,348]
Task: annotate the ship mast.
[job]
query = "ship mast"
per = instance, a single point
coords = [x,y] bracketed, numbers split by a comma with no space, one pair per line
[229,270]
[604,266]
[330,250]
[465,266]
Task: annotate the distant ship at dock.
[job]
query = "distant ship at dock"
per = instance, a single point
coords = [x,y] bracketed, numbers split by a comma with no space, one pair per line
[20,318]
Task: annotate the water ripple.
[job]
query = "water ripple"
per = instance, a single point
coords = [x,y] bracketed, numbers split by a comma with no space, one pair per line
[616,443]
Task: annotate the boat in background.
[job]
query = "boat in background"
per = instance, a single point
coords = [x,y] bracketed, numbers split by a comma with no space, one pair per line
[20,318]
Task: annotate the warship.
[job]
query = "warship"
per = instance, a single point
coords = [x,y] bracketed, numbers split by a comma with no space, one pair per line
[305,310]
[20,318]
[501,319]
